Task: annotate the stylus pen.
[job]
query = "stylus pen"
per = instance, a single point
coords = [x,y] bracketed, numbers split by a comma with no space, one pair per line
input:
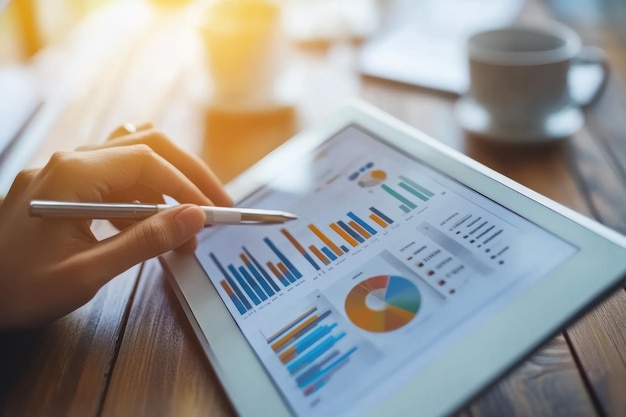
[132,211]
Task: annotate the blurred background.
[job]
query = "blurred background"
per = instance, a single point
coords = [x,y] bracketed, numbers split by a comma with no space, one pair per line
[231,80]
[28,25]
[208,71]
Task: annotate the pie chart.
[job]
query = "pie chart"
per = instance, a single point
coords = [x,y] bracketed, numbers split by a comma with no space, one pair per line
[383,303]
[372,178]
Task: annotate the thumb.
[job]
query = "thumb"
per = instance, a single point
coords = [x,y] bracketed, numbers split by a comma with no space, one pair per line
[150,237]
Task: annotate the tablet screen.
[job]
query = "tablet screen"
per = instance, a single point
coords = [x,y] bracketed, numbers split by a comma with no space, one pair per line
[389,265]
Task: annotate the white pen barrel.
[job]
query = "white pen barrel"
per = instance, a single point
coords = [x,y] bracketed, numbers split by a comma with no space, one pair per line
[231,215]
[221,216]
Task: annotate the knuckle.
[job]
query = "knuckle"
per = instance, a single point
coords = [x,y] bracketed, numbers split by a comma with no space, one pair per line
[24,178]
[156,139]
[144,150]
[147,157]
[62,163]
[58,158]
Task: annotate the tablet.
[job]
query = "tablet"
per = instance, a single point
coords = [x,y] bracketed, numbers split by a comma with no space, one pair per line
[413,278]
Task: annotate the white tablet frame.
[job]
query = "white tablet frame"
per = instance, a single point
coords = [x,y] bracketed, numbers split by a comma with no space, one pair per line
[565,290]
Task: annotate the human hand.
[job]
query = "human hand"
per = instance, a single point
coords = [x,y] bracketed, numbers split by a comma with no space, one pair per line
[49,267]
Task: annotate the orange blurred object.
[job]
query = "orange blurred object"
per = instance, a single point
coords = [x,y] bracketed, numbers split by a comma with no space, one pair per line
[243,48]
[19,30]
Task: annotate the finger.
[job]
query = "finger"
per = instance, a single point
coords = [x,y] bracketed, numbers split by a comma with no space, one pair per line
[118,170]
[123,130]
[188,247]
[122,224]
[138,194]
[190,165]
[128,129]
[22,180]
[146,239]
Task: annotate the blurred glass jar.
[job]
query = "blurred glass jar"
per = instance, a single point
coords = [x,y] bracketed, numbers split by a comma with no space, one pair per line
[244,47]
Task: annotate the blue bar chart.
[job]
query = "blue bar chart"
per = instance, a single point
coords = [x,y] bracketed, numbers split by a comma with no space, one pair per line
[313,349]
[249,280]
[249,283]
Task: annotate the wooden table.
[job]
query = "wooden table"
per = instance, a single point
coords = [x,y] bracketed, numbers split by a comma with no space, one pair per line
[130,351]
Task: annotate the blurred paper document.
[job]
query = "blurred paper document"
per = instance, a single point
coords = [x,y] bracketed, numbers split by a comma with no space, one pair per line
[330,20]
[423,42]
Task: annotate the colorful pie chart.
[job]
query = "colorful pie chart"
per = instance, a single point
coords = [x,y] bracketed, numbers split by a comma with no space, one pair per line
[383,303]
[372,178]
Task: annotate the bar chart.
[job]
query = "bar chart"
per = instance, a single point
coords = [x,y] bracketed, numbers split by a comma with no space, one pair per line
[249,282]
[313,349]
[408,192]
[279,259]
[351,232]
[415,190]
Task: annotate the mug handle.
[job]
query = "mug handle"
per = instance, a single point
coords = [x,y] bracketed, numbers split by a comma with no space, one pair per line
[588,76]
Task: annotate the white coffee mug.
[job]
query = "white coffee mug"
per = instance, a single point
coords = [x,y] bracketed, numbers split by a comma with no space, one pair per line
[523,85]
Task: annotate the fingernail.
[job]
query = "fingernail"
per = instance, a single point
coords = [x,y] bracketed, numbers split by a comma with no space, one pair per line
[190,220]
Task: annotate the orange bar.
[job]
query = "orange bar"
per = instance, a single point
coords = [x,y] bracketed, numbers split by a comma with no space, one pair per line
[344,235]
[359,229]
[287,355]
[287,338]
[293,323]
[326,240]
[293,241]
[274,270]
[319,254]
[378,220]
[283,268]
[244,258]
[227,288]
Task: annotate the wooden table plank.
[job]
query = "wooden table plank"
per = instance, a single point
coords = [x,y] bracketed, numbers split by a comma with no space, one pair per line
[161,369]
[547,384]
[599,340]
[62,369]
[608,125]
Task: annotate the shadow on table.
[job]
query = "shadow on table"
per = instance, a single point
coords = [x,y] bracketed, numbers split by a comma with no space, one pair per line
[17,351]
[506,155]
[235,140]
